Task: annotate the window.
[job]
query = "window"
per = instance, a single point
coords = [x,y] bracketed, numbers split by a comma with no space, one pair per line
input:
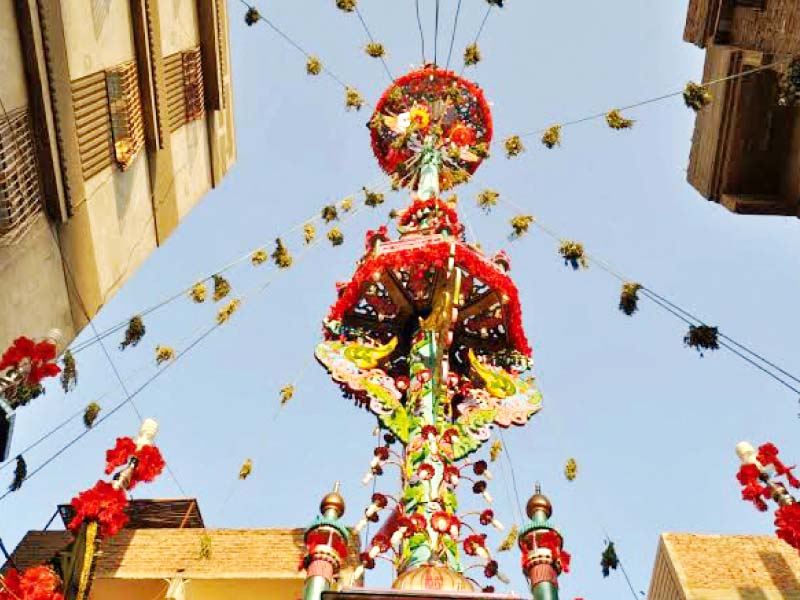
[185,95]
[193,85]
[20,194]
[125,108]
[90,100]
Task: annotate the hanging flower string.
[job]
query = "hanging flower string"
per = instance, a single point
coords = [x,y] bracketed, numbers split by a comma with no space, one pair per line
[573,254]
[90,414]
[629,297]
[375,50]
[702,337]
[246,469]
[226,312]
[199,292]
[134,333]
[313,66]
[164,354]
[552,137]
[696,96]
[35,583]
[69,372]
[514,146]
[571,469]
[20,474]
[472,55]
[28,363]
[221,287]
[520,225]
[259,257]
[616,121]
[281,255]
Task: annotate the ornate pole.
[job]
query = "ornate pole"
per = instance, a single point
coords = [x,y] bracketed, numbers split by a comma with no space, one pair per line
[326,545]
[543,556]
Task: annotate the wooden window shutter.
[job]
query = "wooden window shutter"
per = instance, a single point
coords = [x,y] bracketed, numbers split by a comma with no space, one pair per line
[176,100]
[20,191]
[125,108]
[193,85]
[90,99]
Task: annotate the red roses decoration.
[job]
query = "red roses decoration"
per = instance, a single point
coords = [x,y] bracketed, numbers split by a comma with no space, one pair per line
[38,357]
[36,583]
[149,462]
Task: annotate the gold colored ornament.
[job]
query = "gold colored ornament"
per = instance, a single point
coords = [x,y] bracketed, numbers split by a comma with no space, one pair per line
[247,468]
[510,540]
[252,16]
[198,292]
[495,450]
[329,213]
[520,225]
[336,237]
[629,297]
[90,414]
[375,50]
[696,96]
[615,120]
[309,232]
[259,257]
[346,5]
[573,254]
[205,552]
[472,55]
[69,374]
[287,393]
[552,137]
[353,98]
[487,199]
[347,204]
[281,255]
[221,288]
[571,469]
[164,354]
[225,313]
[134,333]
[514,146]
[373,199]
[313,65]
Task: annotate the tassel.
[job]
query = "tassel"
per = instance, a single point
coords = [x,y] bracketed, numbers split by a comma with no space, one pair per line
[336,237]
[373,199]
[313,66]
[309,233]
[629,298]
[346,5]
[287,393]
[69,374]
[495,450]
[616,121]
[198,292]
[205,547]
[20,474]
[259,257]
[90,414]
[487,199]
[221,288]
[347,204]
[552,137]
[573,254]
[520,225]
[571,469]
[375,50]
[696,96]
[164,354]
[281,255]
[353,99]
[609,560]
[252,16]
[509,541]
[329,213]
[247,468]
[226,312]
[514,146]
[702,337]
[472,55]
[134,333]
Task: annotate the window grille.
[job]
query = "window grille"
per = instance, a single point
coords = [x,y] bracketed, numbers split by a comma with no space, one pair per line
[125,108]
[185,95]
[20,191]
[90,99]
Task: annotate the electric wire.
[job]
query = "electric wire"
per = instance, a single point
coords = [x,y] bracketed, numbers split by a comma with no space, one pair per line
[372,39]
[421,32]
[480,31]
[436,35]
[453,37]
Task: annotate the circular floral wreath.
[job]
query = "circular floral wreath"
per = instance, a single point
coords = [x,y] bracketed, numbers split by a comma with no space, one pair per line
[434,108]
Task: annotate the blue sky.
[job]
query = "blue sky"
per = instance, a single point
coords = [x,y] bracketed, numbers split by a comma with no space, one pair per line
[651,424]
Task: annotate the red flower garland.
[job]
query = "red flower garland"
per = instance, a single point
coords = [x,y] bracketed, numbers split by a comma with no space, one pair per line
[149,462]
[40,356]
[103,504]
[787,524]
[768,455]
[468,259]
[35,583]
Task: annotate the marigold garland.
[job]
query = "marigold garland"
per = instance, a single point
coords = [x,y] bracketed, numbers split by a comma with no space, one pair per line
[134,333]
[309,233]
[90,414]
[616,121]
[287,393]
[246,469]
[472,54]
[353,98]
[375,50]
[69,373]
[221,288]
[487,199]
[510,540]
[164,354]
[226,312]
[313,66]
[495,450]
[571,469]
[573,254]
[259,257]
[520,225]
[696,96]
[373,199]
[347,204]
[205,552]
[702,337]
[346,5]
[252,16]
[199,292]
[514,146]
[552,136]
[336,237]
[281,255]
[20,474]
[629,297]
[329,213]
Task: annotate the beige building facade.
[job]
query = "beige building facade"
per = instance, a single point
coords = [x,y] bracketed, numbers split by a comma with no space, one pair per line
[724,567]
[116,120]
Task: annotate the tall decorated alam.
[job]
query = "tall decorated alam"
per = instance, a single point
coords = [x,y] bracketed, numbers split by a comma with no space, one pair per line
[427,335]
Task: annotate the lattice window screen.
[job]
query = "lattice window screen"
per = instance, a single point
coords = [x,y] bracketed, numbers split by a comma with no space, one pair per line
[90,99]
[125,107]
[20,191]
[193,84]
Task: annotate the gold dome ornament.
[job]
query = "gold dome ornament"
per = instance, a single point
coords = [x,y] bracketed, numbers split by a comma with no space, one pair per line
[333,501]
[539,502]
[433,577]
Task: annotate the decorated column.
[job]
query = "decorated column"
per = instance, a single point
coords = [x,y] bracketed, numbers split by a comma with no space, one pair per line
[428,336]
[543,556]
[326,546]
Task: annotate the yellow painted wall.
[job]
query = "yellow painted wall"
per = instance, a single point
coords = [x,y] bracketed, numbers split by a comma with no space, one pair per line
[192,162]
[199,589]
[13,90]
[179,29]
